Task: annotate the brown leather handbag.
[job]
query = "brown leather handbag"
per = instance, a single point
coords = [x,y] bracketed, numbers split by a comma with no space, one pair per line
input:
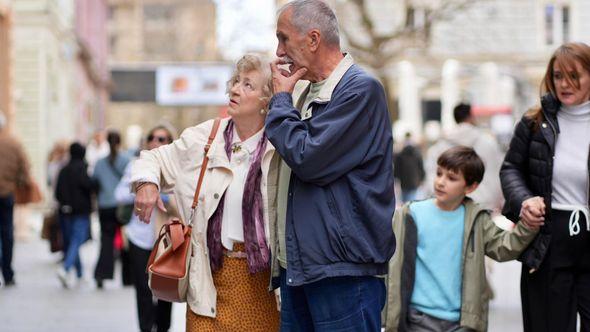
[168,265]
[28,193]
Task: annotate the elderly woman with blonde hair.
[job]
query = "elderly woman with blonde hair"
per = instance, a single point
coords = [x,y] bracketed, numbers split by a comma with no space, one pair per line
[230,268]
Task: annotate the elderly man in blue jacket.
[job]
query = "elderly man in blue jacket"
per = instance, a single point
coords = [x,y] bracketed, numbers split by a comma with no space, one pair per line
[335,196]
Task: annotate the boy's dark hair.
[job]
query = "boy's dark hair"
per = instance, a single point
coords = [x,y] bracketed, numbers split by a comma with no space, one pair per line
[462,112]
[463,159]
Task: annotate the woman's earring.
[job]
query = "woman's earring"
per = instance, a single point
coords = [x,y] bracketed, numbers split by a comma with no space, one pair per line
[262,111]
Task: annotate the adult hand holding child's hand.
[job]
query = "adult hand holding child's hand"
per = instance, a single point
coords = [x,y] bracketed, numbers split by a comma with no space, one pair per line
[532,212]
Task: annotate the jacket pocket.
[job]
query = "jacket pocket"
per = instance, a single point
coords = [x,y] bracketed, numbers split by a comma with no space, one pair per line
[201,292]
[340,235]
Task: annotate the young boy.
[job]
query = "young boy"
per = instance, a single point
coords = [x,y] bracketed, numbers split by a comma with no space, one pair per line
[437,278]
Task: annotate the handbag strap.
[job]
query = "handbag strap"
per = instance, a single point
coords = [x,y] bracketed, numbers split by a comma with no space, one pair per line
[204,167]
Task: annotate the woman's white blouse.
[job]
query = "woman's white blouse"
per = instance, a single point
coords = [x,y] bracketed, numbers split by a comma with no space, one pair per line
[232,229]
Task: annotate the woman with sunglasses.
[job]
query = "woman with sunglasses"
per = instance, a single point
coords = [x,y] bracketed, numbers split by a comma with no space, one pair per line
[141,237]
[230,267]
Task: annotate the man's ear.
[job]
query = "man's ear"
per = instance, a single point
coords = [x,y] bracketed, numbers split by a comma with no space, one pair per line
[471,188]
[314,38]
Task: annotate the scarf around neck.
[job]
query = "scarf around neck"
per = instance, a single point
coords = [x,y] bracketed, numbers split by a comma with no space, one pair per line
[257,251]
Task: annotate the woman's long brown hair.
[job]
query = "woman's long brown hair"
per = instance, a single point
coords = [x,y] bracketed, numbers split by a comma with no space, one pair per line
[566,57]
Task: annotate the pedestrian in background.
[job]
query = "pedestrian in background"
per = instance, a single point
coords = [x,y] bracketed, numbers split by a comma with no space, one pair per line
[73,191]
[97,148]
[408,169]
[232,226]
[548,162]
[336,186]
[57,159]
[437,279]
[14,172]
[107,173]
[467,133]
[152,314]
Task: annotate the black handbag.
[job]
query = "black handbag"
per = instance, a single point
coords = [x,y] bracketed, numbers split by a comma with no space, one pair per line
[124,213]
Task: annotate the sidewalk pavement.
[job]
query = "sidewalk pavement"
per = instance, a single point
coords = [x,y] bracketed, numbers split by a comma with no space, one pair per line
[39,303]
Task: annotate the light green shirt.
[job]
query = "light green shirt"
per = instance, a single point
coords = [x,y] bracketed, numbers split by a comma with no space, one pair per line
[285,176]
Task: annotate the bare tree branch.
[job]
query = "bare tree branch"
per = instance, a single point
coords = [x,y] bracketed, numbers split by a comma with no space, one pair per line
[381,49]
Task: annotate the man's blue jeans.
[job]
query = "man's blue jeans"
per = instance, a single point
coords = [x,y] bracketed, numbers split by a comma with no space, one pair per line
[7,236]
[333,304]
[77,228]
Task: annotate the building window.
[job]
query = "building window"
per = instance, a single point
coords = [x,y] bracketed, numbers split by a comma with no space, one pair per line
[557,23]
[158,12]
[549,11]
[565,23]
[111,12]
[133,85]
[416,17]
[113,43]
[410,17]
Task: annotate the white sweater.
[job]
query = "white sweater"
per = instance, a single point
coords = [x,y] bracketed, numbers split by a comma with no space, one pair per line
[570,164]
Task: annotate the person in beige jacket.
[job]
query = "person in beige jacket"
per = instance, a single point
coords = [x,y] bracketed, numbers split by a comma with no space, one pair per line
[229,270]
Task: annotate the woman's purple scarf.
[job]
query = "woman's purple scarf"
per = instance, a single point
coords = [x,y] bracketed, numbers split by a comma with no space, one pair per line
[252,214]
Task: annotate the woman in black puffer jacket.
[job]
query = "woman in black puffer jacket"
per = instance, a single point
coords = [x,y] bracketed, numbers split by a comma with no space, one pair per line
[545,175]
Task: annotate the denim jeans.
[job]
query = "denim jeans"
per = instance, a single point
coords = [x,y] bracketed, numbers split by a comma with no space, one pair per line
[421,322]
[63,227]
[7,236]
[333,304]
[77,228]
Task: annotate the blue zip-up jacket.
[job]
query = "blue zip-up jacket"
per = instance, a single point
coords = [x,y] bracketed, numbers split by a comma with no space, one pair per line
[341,194]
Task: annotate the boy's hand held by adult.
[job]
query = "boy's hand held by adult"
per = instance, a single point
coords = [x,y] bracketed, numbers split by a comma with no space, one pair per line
[532,212]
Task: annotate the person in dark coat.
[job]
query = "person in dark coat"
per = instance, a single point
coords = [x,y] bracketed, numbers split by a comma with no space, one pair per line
[545,176]
[335,190]
[73,192]
[409,169]
[107,174]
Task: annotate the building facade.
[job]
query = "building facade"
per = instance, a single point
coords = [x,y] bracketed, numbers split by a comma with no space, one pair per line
[6,106]
[91,71]
[44,54]
[492,54]
[145,35]
[60,70]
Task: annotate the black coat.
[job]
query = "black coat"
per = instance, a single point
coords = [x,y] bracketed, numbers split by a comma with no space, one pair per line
[527,171]
[74,188]
[409,168]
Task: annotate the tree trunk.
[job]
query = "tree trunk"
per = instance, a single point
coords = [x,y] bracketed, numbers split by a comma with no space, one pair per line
[389,94]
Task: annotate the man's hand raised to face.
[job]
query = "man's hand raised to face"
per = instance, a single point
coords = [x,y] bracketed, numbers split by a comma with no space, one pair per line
[282,80]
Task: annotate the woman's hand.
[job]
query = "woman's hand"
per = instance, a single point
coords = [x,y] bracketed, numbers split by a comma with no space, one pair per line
[147,197]
[532,212]
[278,298]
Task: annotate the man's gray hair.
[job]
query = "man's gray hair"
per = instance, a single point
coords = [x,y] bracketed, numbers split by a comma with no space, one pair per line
[314,14]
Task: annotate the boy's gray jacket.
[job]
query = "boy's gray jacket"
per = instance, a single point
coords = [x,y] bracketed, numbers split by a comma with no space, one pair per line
[481,237]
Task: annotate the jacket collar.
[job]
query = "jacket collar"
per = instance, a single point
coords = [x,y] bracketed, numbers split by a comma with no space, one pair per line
[217,155]
[325,94]
[550,104]
[472,209]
